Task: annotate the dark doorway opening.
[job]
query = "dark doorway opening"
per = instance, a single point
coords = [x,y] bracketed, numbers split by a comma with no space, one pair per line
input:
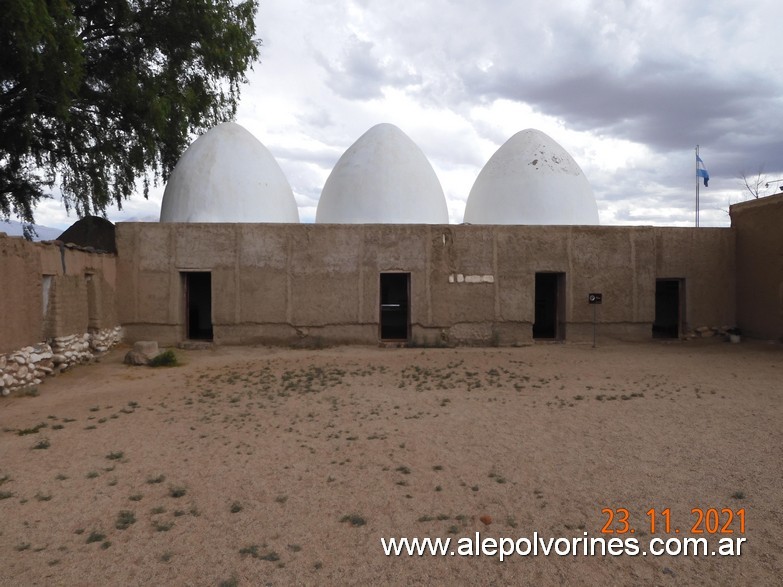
[395,306]
[668,308]
[549,321]
[198,305]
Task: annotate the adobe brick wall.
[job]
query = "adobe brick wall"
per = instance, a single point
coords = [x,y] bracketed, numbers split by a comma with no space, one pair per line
[78,320]
[469,284]
[21,304]
[758,225]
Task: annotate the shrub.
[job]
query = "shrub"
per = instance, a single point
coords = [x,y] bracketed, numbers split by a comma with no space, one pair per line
[165,359]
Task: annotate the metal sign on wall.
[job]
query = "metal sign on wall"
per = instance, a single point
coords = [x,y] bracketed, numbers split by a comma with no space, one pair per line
[594,298]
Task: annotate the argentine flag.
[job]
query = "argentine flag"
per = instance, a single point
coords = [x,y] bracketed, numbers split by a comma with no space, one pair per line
[701,171]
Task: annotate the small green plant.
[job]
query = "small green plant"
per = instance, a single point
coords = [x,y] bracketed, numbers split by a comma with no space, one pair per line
[165,359]
[115,455]
[33,430]
[236,507]
[23,546]
[738,495]
[232,582]
[281,498]
[124,520]
[158,479]
[92,474]
[251,550]
[95,537]
[166,557]
[354,519]
[6,494]
[271,556]
[162,526]
[43,496]
[42,444]
[136,497]
[177,491]
[158,510]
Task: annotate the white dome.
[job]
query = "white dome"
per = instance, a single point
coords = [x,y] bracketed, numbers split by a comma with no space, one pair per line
[227,175]
[383,178]
[531,180]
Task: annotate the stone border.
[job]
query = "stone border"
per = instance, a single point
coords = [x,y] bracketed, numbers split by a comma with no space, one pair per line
[28,367]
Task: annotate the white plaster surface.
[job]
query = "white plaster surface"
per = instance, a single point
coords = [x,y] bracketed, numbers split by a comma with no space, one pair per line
[531,179]
[383,178]
[227,175]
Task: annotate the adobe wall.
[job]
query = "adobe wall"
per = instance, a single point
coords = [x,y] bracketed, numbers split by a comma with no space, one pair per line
[704,257]
[57,308]
[21,305]
[82,292]
[469,284]
[758,226]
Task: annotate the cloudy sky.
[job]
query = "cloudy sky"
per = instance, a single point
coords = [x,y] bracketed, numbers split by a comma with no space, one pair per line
[627,87]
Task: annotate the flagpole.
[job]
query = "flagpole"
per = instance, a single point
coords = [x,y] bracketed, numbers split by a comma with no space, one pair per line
[697,186]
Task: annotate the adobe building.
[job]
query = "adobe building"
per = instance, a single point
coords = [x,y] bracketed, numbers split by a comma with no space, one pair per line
[424,284]
[245,271]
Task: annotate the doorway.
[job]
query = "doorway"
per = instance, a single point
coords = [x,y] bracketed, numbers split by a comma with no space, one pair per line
[549,320]
[198,305]
[395,306]
[668,308]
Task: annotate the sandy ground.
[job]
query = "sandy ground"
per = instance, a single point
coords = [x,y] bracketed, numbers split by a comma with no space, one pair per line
[258,466]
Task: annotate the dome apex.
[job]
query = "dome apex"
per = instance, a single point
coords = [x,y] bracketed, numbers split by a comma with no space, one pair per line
[227,175]
[531,179]
[383,178]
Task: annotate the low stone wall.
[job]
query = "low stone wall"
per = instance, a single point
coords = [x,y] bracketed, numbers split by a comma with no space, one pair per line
[27,367]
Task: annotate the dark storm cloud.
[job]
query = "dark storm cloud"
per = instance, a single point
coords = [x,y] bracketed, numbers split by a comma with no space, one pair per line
[663,105]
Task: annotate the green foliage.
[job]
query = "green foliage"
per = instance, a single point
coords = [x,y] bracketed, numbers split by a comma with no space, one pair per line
[165,359]
[94,95]
[124,520]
